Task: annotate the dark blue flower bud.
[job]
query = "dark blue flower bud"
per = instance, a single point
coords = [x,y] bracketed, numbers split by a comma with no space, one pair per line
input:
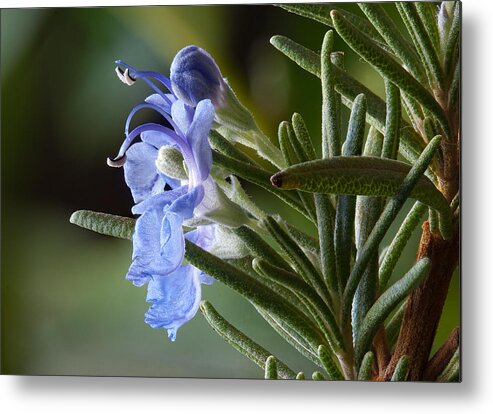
[195,76]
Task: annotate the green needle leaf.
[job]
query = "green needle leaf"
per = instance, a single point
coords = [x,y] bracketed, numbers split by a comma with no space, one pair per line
[321,13]
[305,241]
[331,145]
[319,309]
[452,370]
[401,369]
[392,122]
[380,229]
[237,194]
[325,227]
[392,35]
[393,327]
[259,177]
[410,144]
[107,224]
[388,67]
[452,45]
[330,366]
[303,136]
[346,204]
[296,340]
[222,145]
[299,260]
[271,368]
[400,240]
[368,210]
[261,296]
[318,12]
[293,154]
[428,12]
[260,248]
[363,175]
[386,303]
[241,342]
[365,371]
[423,42]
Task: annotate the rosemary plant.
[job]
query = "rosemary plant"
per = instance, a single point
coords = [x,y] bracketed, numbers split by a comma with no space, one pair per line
[328,296]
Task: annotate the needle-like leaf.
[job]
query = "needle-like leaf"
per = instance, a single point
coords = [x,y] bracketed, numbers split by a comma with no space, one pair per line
[392,122]
[241,342]
[380,229]
[386,303]
[424,42]
[330,366]
[399,242]
[346,204]
[259,177]
[363,175]
[410,143]
[299,260]
[107,224]
[271,368]
[402,369]
[255,292]
[388,67]
[368,210]
[365,371]
[392,35]
[320,311]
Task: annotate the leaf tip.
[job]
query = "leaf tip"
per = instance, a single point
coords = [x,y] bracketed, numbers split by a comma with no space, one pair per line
[276,180]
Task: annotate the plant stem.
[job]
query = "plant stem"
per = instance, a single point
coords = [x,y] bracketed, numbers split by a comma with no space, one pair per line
[424,306]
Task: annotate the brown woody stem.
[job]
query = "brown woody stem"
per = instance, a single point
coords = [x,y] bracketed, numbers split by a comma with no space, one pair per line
[424,306]
[442,357]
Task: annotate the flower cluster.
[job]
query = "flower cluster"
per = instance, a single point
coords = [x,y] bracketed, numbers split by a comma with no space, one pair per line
[169,175]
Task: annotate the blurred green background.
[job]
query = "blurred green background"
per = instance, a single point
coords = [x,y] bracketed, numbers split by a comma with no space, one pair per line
[66,307]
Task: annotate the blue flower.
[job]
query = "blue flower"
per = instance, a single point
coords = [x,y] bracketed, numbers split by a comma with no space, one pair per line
[158,239]
[167,197]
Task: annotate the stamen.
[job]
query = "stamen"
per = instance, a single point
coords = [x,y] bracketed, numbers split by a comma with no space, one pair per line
[116,162]
[158,110]
[124,76]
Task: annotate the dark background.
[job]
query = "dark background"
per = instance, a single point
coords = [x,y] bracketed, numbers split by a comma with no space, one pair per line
[66,306]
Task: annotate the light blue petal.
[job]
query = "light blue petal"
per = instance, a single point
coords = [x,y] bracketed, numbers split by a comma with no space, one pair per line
[202,236]
[198,137]
[158,100]
[172,242]
[159,200]
[175,299]
[141,173]
[185,204]
[182,114]
[146,244]
[157,139]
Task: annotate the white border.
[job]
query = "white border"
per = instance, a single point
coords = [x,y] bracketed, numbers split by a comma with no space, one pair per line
[133,395]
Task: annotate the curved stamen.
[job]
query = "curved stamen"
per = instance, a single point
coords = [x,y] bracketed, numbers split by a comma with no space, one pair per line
[136,74]
[183,145]
[116,162]
[157,109]
[124,76]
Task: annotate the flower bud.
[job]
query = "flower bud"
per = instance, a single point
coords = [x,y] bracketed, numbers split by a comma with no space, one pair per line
[170,162]
[195,76]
